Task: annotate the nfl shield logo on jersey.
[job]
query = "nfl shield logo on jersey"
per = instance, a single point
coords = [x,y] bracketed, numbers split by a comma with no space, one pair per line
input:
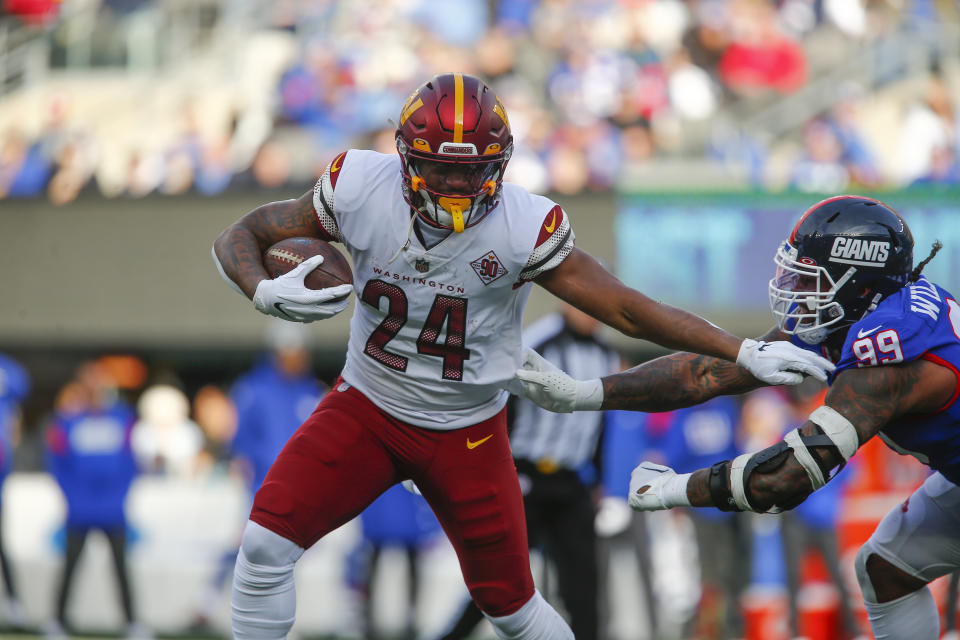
[421,265]
[489,267]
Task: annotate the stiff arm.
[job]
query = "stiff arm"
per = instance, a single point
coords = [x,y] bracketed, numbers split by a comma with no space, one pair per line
[678,380]
[584,283]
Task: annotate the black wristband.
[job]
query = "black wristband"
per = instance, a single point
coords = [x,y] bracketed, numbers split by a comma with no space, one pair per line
[719,490]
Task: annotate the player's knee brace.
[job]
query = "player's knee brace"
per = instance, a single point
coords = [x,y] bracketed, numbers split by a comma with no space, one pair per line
[535,620]
[264,599]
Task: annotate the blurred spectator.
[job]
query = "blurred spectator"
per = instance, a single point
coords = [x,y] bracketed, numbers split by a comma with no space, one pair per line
[33,12]
[760,56]
[14,387]
[217,418]
[626,441]
[144,173]
[556,457]
[690,88]
[397,519]
[928,125]
[271,401]
[944,167]
[89,455]
[813,524]
[820,168]
[270,169]
[845,119]
[698,437]
[23,170]
[327,76]
[72,171]
[165,440]
[459,22]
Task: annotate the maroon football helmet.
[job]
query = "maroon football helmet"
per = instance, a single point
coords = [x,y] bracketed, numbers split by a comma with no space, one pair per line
[453,124]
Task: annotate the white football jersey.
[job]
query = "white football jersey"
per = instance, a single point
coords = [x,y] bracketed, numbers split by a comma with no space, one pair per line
[435,334]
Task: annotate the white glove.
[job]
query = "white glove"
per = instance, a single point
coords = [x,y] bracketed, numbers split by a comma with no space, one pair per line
[782,362]
[665,489]
[412,487]
[286,296]
[550,387]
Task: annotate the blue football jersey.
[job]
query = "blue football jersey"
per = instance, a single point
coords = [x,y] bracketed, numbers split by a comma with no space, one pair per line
[922,320]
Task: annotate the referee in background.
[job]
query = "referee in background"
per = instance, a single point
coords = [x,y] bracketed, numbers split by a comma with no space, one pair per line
[557,466]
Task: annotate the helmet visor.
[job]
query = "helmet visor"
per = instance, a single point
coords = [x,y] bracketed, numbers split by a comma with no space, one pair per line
[466,178]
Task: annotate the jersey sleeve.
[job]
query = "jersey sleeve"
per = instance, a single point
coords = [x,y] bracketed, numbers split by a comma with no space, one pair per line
[554,243]
[324,198]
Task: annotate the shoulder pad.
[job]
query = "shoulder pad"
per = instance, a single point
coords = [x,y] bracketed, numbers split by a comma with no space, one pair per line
[900,330]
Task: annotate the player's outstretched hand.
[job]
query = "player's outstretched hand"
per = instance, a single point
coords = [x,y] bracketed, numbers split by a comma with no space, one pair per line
[286,296]
[550,387]
[781,362]
[654,487]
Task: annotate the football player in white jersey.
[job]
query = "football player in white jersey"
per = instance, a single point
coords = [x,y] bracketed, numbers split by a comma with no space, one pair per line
[444,253]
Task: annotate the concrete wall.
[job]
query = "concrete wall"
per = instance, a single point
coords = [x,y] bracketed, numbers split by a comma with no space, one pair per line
[138,273]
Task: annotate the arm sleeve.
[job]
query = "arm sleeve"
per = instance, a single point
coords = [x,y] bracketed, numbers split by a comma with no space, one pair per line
[324,200]
[554,243]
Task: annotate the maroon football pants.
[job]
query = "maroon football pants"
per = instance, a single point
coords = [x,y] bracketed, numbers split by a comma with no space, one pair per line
[348,452]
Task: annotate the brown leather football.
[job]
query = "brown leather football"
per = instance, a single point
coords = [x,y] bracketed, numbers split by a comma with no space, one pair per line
[283,256]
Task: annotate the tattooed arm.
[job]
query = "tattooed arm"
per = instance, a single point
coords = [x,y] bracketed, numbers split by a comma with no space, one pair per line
[240,247]
[678,380]
[869,398]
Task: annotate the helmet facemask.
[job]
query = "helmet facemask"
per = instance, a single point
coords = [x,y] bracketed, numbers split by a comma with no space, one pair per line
[444,208]
[803,297]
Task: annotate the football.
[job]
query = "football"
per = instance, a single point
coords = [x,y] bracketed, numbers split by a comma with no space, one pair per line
[283,256]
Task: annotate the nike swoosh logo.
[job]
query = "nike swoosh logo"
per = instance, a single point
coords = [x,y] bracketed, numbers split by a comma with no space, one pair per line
[553,223]
[863,334]
[276,305]
[474,445]
[335,165]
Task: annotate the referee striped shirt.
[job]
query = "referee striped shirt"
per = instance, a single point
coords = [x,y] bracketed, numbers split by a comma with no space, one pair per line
[568,440]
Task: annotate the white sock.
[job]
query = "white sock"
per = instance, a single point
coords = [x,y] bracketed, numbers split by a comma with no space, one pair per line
[535,620]
[264,598]
[913,616]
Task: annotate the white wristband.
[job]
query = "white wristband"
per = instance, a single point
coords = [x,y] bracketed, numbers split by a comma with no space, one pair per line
[675,491]
[589,395]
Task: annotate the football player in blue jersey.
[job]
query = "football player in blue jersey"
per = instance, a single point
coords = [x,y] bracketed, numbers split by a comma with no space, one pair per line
[846,287]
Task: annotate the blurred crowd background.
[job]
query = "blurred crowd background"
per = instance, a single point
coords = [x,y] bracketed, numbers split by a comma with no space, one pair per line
[165,469]
[134,97]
